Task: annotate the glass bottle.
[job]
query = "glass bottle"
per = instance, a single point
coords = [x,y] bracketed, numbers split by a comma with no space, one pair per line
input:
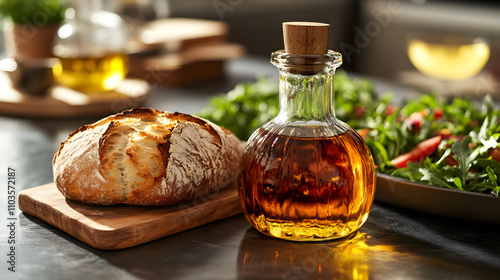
[90,48]
[305,174]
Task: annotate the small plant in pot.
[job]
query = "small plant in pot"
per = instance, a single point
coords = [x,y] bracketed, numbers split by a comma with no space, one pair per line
[31,26]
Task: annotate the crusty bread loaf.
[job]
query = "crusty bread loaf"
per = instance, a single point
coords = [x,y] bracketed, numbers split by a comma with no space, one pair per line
[146,157]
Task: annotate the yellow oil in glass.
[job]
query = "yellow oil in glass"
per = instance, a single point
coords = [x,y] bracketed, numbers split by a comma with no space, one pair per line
[448,61]
[92,73]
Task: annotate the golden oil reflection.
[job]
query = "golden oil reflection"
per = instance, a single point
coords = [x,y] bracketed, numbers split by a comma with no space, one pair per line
[348,258]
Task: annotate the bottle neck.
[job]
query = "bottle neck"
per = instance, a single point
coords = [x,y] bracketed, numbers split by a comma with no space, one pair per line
[306,97]
[90,31]
[306,86]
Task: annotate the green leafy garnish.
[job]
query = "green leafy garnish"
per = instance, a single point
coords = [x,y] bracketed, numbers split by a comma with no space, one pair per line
[33,12]
[249,105]
[467,158]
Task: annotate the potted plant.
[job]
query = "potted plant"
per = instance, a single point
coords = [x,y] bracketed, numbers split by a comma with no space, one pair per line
[31,26]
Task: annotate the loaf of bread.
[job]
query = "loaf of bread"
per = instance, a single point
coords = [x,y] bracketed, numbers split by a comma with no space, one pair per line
[146,157]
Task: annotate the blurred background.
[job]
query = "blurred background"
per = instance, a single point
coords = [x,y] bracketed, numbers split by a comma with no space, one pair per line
[448,46]
[371,34]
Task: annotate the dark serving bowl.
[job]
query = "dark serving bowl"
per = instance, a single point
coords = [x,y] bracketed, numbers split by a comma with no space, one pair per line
[435,200]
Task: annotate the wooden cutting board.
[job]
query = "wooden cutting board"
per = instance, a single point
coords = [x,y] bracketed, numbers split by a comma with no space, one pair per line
[124,226]
[64,102]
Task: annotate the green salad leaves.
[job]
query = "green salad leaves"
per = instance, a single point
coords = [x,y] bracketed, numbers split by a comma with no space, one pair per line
[249,105]
[450,144]
[245,108]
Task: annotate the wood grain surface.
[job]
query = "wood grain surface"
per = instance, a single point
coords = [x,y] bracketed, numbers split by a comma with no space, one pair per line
[64,102]
[124,226]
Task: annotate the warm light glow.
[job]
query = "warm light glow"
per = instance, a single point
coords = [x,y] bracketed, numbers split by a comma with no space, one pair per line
[448,61]
[91,74]
[65,31]
[69,13]
[349,258]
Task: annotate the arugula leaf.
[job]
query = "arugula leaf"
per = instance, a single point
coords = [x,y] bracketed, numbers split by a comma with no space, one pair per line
[434,177]
[462,156]
[483,163]
[496,191]
[458,183]
[411,171]
[445,154]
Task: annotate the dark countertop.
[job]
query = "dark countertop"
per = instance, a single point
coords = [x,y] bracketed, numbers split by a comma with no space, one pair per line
[394,243]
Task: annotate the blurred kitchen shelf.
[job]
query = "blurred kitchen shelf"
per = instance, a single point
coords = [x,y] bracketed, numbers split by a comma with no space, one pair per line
[180,51]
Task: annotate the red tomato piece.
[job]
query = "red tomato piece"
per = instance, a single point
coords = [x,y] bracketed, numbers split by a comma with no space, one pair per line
[363,132]
[414,121]
[420,152]
[438,113]
[494,153]
[390,109]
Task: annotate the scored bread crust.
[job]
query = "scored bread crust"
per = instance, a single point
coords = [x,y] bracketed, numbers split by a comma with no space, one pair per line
[146,157]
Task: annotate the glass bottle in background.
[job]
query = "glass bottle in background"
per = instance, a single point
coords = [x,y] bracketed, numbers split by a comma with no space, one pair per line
[141,11]
[138,12]
[447,56]
[90,47]
[305,174]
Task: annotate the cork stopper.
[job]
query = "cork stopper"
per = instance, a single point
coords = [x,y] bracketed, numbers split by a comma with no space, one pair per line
[306,38]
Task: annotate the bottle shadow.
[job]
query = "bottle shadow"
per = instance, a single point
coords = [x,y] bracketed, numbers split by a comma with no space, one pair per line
[398,243]
[263,257]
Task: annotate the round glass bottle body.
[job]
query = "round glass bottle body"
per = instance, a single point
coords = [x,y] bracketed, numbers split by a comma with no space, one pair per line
[306,175]
[90,48]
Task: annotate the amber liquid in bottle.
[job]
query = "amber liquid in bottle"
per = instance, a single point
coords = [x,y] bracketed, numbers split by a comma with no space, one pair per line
[308,188]
[306,175]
